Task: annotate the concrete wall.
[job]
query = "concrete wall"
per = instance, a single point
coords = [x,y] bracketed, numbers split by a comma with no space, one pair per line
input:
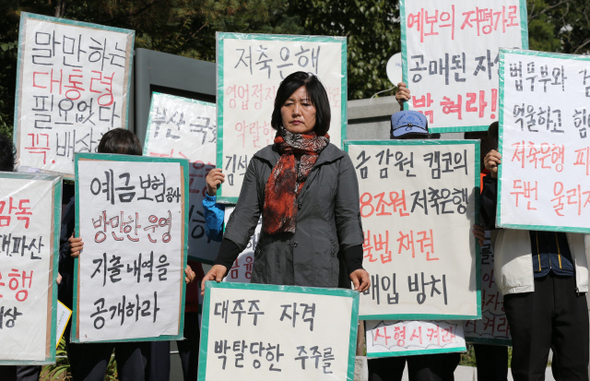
[370,118]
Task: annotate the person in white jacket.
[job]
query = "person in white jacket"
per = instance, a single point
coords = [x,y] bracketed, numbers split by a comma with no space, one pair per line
[543,277]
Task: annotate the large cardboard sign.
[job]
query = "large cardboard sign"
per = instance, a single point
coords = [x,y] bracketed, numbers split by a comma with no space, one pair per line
[493,327]
[72,85]
[544,178]
[450,59]
[268,332]
[408,338]
[418,202]
[186,128]
[30,213]
[132,214]
[250,68]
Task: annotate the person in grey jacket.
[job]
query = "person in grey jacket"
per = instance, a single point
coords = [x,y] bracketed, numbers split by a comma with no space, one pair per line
[307,192]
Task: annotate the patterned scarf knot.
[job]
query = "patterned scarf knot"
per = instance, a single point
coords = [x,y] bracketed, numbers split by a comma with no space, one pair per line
[299,153]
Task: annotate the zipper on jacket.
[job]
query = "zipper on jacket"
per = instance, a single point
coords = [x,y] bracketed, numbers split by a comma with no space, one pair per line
[539,252]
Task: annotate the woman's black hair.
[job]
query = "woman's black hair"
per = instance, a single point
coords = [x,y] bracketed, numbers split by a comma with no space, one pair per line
[120,140]
[317,95]
[7,154]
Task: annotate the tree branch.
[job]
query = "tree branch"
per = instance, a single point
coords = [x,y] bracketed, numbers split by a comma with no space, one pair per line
[547,9]
[581,46]
[139,11]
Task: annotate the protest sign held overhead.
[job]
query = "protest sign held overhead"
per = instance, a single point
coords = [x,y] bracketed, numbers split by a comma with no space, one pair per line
[250,68]
[269,332]
[544,178]
[30,211]
[450,51]
[72,86]
[187,128]
[418,205]
[131,213]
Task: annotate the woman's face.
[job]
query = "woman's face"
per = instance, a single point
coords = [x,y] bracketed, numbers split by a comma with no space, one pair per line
[298,113]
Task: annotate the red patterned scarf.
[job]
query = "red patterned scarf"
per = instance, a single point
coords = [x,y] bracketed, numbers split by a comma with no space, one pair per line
[299,152]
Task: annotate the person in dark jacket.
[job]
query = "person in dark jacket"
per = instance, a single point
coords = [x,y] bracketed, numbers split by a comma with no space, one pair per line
[491,360]
[307,193]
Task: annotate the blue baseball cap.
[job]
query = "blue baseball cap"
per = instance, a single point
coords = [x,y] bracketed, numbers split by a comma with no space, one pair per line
[409,124]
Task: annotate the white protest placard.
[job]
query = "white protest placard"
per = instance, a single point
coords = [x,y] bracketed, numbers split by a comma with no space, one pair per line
[269,332]
[493,327]
[250,68]
[30,213]
[544,178]
[241,270]
[450,54]
[408,338]
[418,205]
[132,215]
[72,84]
[187,128]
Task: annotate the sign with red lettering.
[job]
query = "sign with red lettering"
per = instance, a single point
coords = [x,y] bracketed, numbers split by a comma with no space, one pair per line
[544,178]
[30,213]
[270,332]
[187,128]
[250,68]
[72,84]
[132,215]
[418,203]
[450,58]
[408,338]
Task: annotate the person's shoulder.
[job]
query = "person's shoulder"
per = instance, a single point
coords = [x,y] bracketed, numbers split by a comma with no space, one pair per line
[269,153]
[333,151]
[331,154]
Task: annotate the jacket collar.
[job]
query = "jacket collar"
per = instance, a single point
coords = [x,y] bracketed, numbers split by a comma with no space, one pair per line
[329,154]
